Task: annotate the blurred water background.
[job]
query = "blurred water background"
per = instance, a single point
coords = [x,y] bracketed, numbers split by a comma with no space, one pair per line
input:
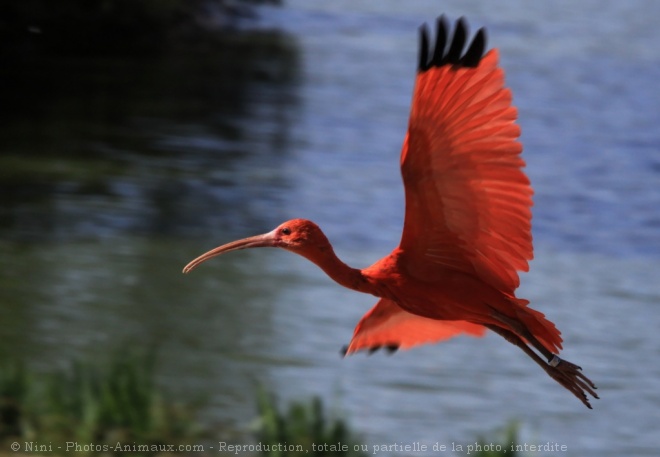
[116,171]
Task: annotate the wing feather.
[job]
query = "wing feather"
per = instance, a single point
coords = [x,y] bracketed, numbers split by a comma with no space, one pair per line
[467,199]
[387,325]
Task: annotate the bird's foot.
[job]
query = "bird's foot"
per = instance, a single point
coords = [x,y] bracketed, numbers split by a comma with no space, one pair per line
[570,376]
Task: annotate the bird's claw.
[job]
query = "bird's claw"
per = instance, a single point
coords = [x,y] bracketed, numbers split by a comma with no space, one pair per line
[571,377]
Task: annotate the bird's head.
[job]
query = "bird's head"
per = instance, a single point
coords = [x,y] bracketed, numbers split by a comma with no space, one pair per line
[300,236]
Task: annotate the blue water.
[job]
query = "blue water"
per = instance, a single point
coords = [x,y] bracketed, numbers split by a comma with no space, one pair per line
[584,77]
[104,268]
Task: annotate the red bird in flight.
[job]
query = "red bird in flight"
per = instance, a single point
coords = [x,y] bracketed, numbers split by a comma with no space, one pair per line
[467,227]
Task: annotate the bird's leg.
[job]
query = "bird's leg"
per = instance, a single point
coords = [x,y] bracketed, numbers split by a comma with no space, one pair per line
[569,376]
[520,329]
[554,360]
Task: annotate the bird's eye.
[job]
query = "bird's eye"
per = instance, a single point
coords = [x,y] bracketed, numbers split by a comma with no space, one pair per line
[286,231]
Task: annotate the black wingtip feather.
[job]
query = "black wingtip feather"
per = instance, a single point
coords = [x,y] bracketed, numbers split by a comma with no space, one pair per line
[454,55]
[391,348]
[476,50]
[457,43]
[423,48]
[440,41]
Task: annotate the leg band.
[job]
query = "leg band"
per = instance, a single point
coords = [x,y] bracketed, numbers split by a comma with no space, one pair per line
[554,361]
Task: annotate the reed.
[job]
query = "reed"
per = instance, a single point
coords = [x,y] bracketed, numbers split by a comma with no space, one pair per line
[504,445]
[303,426]
[119,401]
[102,404]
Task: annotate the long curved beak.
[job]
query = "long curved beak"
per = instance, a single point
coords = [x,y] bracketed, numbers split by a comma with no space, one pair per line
[258,241]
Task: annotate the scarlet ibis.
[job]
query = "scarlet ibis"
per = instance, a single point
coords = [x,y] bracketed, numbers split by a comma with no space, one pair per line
[467,225]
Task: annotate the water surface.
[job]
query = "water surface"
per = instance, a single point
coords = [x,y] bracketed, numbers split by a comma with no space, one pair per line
[121,172]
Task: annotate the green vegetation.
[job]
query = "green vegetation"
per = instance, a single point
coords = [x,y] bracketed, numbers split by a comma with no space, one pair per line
[103,405]
[14,387]
[303,426]
[501,447]
[120,402]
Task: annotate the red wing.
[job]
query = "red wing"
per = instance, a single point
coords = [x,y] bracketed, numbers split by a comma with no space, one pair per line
[387,325]
[467,199]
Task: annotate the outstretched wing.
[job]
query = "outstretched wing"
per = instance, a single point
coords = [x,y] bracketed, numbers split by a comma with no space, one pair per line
[388,326]
[467,199]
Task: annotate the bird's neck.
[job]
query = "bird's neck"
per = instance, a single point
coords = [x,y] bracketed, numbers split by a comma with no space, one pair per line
[341,273]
